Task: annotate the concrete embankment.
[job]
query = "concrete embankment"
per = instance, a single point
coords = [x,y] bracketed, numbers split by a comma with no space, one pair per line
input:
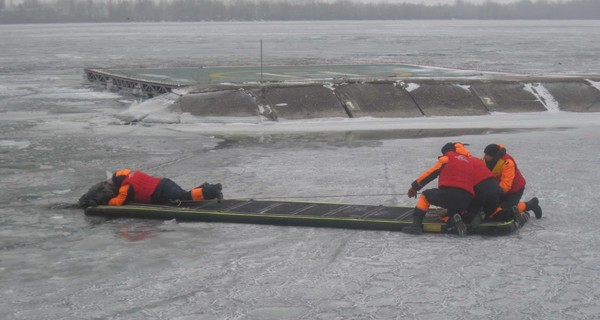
[395,98]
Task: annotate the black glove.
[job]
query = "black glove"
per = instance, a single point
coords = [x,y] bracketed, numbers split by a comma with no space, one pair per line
[412,193]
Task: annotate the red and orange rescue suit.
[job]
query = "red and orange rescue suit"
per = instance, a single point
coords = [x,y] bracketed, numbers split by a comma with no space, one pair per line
[140,187]
[455,185]
[487,191]
[508,175]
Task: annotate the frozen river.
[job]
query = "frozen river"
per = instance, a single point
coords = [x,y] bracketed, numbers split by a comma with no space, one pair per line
[58,136]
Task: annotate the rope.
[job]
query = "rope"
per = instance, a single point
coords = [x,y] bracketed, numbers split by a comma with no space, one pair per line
[180,202]
[330,196]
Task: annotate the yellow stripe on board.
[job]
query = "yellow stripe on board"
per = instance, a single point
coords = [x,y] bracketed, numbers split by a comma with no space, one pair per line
[427,226]
[432,227]
[237,214]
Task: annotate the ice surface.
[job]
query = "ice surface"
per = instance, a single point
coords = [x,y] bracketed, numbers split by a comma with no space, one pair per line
[58,264]
[91,268]
[498,121]
[10,144]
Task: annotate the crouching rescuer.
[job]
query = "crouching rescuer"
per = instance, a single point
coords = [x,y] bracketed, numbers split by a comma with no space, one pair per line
[512,182]
[454,192]
[127,186]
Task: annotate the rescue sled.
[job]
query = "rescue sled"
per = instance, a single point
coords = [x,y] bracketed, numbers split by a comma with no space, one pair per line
[291,213]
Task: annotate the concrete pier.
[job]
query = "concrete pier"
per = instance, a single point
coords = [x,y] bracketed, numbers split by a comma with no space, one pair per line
[506,96]
[575,95]
[376,100]
[447,98]
[302,102]
[223,103]
[348,92]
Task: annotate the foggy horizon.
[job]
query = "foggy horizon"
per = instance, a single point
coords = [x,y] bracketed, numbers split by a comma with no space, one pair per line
[67,11]
[425,2]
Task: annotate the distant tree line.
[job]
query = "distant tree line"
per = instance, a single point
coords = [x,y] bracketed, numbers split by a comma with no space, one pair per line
[36,11]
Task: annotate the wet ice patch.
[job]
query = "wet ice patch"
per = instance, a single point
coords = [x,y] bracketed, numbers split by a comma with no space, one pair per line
[14,91]
[74,94]
[543,95]
[12,144]
[60,192]
[277,312]
[67,56]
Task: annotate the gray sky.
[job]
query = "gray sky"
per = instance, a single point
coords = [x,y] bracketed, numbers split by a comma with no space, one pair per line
[427,2]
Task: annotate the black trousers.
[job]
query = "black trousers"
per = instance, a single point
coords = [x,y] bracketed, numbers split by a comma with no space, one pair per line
[456,200]
[506,203]
[487,197]
[510,200]
[168,191]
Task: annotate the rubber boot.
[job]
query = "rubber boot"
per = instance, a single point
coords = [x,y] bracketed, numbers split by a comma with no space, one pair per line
[534,206]
[417,226]
[519,218]
[212,191]
[459,225]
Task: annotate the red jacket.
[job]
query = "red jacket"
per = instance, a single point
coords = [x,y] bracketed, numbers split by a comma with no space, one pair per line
[454,170]
[508,175]
[133,185]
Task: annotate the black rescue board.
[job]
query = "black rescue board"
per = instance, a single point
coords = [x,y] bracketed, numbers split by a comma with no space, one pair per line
[313,214]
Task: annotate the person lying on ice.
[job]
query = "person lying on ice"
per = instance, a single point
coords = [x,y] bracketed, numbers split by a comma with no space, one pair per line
[137,186]
[512,182]
[486,188]
[454,192]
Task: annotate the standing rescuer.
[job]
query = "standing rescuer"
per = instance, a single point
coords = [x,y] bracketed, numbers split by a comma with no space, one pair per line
[512,182]
[454,192]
